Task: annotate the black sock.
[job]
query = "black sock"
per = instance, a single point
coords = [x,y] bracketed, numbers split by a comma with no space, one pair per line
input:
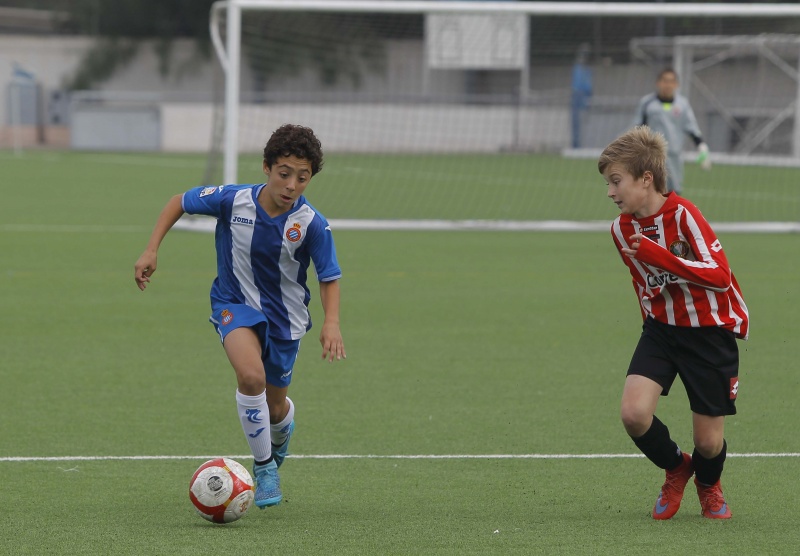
[266,461]
[659,448]
[708,471]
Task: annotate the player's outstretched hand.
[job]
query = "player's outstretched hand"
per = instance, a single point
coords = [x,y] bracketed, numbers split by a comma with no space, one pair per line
[703,157]
[332,343]
[144,269]
[636,241]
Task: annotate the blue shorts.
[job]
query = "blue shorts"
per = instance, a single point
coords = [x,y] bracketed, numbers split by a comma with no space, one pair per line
[278,355]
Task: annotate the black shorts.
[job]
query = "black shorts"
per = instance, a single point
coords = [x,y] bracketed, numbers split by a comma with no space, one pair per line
[706,359]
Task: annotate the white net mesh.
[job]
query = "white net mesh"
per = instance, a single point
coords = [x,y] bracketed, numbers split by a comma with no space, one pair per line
[456,116]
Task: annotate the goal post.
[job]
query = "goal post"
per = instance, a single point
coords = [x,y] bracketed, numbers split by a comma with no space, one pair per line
[394,85]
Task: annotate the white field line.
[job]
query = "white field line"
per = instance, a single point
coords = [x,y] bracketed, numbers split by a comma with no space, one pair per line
[205,224]
[9,459]
[106,158]
[73,228]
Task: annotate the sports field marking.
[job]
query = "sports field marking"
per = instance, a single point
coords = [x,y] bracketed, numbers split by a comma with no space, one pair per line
[207,225]
[149,161]
[157,160]
[376,456]
[72,228]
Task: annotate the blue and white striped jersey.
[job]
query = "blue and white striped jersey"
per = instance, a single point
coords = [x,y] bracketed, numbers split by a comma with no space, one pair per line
[262,262]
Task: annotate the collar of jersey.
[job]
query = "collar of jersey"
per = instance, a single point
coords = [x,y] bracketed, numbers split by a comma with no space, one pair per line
[670,204]
[257,191]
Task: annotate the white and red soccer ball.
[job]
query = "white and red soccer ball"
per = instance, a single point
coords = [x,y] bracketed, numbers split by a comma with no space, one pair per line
[221,490]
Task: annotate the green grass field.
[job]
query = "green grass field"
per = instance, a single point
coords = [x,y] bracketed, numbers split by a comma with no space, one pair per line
[459,343]
[525,187]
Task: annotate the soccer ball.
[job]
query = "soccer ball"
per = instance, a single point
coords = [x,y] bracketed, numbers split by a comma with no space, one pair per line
[221,490]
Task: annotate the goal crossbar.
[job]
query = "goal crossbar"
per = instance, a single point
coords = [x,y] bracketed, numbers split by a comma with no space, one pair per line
[589,9]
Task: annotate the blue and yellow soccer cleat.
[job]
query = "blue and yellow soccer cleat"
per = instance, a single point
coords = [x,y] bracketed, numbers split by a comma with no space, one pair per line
[279,452]
[268,485]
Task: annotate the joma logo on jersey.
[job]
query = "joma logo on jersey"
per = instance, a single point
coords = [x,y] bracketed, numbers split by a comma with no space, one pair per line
[240,220]
[661,280]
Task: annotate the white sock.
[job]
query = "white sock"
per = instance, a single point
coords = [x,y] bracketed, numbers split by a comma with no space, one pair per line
[254,415]
[281,430]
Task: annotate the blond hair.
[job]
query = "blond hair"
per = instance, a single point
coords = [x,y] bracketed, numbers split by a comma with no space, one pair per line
[638,151]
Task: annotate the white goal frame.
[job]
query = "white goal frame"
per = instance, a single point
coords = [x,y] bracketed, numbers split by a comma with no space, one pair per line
[229,52]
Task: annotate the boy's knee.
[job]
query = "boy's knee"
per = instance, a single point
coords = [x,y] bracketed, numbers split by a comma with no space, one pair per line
[251,382]
[635,420]
[708,446]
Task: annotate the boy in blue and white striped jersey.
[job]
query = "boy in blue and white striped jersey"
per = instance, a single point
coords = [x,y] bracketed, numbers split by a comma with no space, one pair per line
[266,237]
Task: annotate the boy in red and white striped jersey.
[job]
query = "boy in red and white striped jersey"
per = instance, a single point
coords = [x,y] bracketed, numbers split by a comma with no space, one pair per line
[693,311]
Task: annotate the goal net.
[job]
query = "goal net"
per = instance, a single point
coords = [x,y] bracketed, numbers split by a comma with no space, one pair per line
[456,112]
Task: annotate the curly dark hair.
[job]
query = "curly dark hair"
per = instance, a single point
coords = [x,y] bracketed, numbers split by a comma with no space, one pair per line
[294,140]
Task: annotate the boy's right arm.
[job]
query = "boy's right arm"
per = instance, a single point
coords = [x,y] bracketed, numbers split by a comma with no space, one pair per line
[711,272]
[146,265]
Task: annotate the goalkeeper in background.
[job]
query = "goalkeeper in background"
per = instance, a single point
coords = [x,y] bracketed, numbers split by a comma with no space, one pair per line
[669,113]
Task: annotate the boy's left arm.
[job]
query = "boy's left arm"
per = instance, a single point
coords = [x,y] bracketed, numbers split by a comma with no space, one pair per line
[690,127]
[331,335]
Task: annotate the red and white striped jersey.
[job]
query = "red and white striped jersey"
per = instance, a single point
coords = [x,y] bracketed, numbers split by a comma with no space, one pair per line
[680,272]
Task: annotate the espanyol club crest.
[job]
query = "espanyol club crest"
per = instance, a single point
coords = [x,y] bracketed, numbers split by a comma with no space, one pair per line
[294,234]
[227,317]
